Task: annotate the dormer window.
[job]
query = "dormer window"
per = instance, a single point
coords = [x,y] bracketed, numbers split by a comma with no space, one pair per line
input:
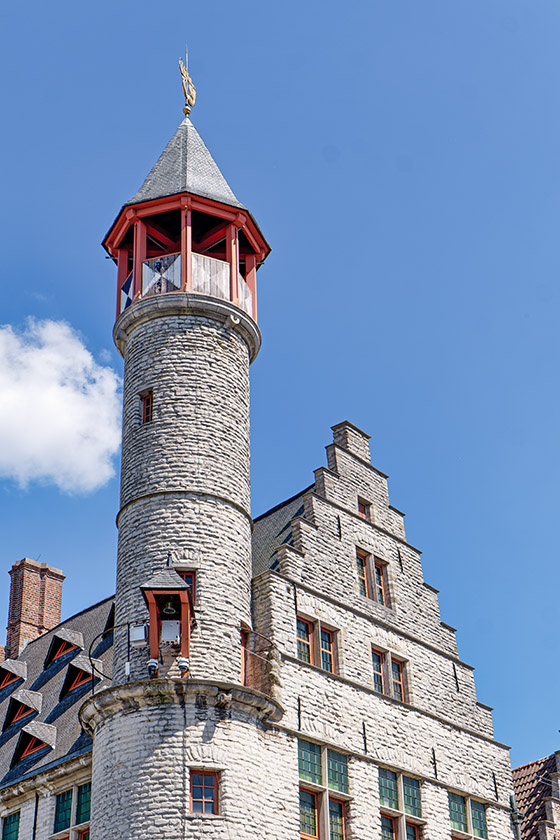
[27,745]
[7,678]
[17,711]
[63,642]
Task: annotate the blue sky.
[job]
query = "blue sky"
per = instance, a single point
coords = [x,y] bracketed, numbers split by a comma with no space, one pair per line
[402,160]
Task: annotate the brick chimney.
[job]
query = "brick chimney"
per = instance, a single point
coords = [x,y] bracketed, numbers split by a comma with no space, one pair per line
[35,602]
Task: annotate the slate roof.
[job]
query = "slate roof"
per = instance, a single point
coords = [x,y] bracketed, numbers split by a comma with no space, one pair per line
[532,786]
[186,165]
[57,720]
[272,529]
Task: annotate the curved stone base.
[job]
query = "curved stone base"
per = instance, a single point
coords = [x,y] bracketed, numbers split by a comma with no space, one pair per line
[149,737]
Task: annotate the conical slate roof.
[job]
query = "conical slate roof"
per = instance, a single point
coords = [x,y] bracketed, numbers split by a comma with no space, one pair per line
[186,165]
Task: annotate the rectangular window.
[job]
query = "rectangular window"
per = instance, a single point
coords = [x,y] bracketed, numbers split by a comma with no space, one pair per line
[387,828]
[478,815]
[377,664]
[363,508]
[411,795]
[308,813]
[457,812]
[190,579]
[83,805]
[327,651]
[380,584]
[305,641]
[412,832]
[361,569]
[398,685]
[10,826]
[84,835]
[388,790]
[147,406]
[309,761]
[338,771]
[63,811]
[337,821]
[204,792]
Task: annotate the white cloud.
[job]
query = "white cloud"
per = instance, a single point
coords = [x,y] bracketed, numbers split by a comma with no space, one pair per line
[59,409]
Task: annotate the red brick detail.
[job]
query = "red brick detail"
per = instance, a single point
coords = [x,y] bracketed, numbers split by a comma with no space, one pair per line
[2,653]
[35,603]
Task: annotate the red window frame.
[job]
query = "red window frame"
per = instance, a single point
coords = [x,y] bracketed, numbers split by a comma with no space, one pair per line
[340,802]
[147,407]
[381,672]
[415,828]
[361,568]
[21,712]
[397,682]
[380,584]
[84,835]
[81,678]
[305,641]
[63,647]
[186,574]
[211,784]
[327,650]
[315,799]
[394,823]
[8,678]
[363,508]
[33,746]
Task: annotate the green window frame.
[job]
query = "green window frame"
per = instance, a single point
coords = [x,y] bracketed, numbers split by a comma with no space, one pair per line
[309,762]
[337,765]
[10,826]
[83,803]
[457,811]
[388,789]
[478,816]
[63,811]
[411,796]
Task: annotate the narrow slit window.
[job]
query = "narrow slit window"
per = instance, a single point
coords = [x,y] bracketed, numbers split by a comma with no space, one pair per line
[361,568]
[147,407]
[327,650]
[377,665]
[380,584]
[304,641]
[398,681]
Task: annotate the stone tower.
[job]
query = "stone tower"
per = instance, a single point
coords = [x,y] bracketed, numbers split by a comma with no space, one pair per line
[187,254]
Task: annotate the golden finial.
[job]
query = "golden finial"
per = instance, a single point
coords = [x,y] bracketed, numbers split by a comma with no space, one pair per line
[188,87]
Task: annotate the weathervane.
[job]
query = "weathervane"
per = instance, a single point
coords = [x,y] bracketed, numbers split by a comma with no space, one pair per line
[188,87]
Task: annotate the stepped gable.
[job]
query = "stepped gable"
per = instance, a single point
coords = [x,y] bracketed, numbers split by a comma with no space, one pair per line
[273,529]
[186,165]
[533,787]
[57,721]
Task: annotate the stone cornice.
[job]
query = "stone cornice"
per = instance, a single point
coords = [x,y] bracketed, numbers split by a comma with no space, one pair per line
[165,692]
[230,317]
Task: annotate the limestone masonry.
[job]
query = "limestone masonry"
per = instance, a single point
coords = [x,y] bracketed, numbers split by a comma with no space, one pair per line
[288,677]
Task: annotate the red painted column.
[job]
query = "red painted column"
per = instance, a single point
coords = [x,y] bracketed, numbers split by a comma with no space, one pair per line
[139,255]
[251,279]
[185,623]
[232,255]
[186,246]
[122,272]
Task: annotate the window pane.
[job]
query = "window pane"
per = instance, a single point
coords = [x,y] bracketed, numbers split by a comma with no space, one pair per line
[327,663]
[361,569]
[10,827]
[377,663]
[338,771]
[457,812]
[336,820]
[307,813]
[63,811]
[379,584]
[412,803]
[84,800]
[309,760]
[398,692]
[196,779]
[387,829]
[388,794]
[303,641]
[478,813]
[411,832]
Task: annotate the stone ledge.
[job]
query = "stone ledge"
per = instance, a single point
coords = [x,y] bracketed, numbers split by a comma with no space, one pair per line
[166,692]
[226,314]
